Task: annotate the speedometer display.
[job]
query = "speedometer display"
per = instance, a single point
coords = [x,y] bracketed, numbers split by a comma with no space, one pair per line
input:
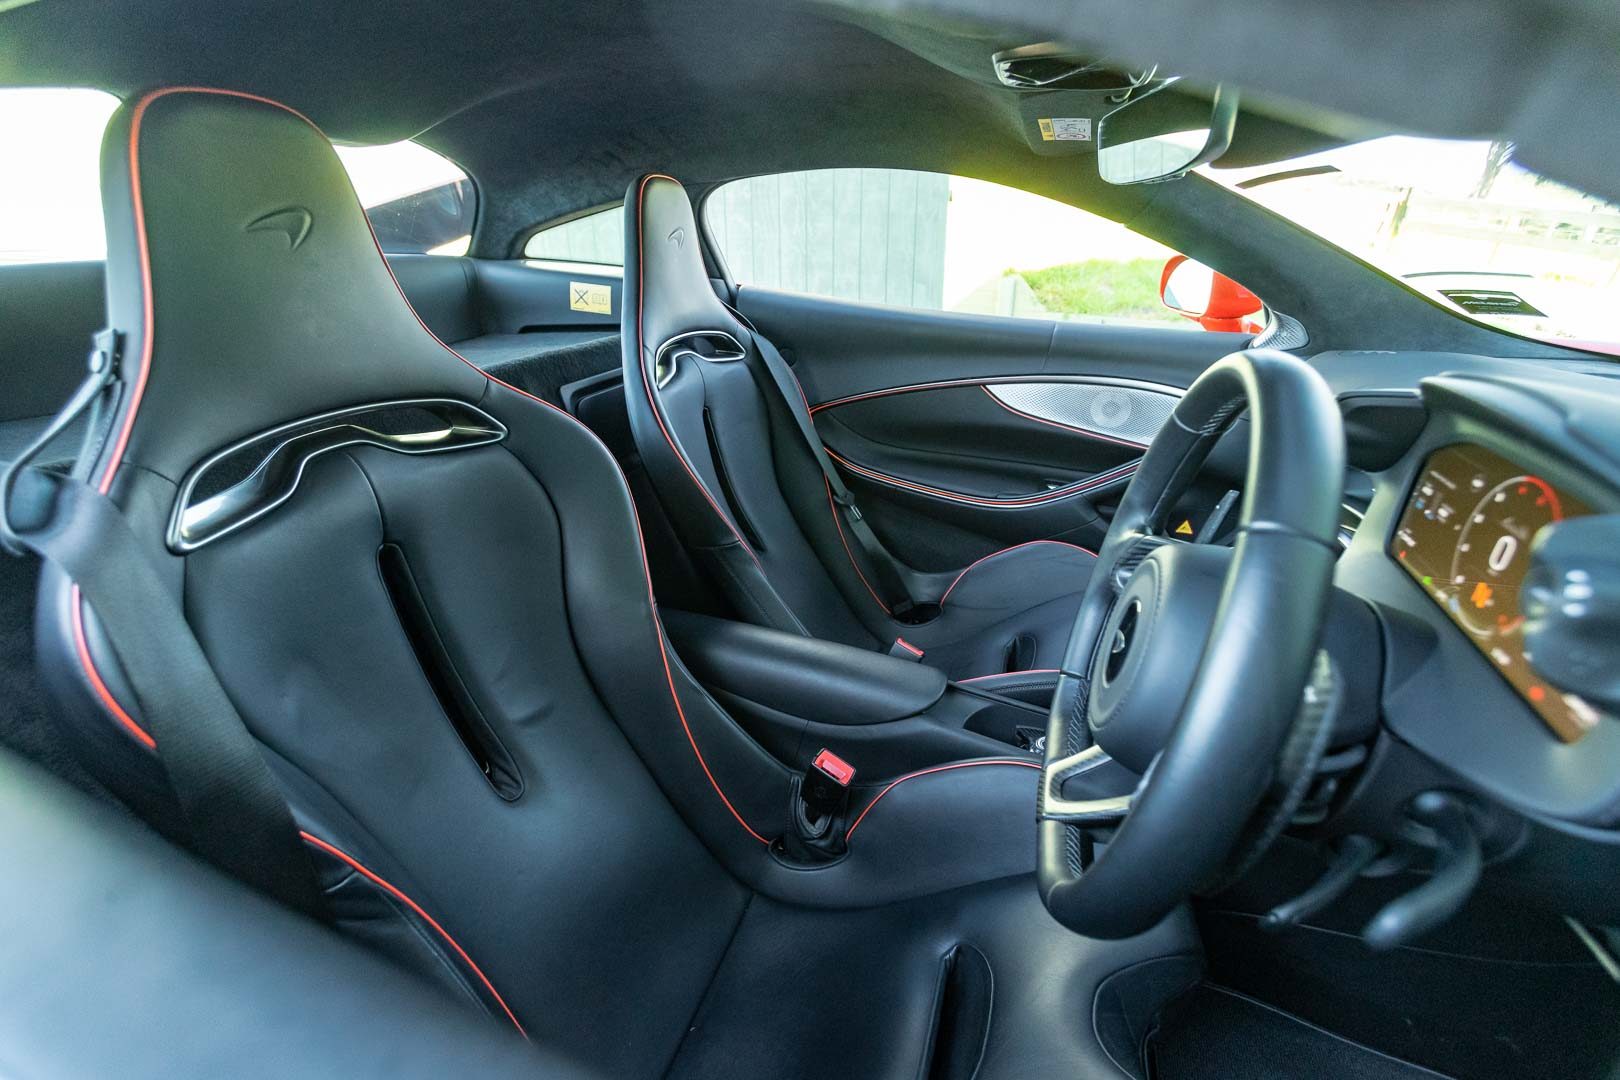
[1465,536]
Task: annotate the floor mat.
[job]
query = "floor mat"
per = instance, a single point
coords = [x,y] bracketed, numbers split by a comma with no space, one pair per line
[1211,1033]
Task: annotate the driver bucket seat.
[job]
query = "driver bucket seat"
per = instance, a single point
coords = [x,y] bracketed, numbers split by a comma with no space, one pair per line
[724,430]
[425,595]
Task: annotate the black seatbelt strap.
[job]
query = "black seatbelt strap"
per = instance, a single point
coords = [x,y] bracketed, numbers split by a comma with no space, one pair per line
[891,577]
[233,814]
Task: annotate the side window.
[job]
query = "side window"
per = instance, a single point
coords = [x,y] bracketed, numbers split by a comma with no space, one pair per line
[596,238]
[944,243]
[419,202]
[50,174]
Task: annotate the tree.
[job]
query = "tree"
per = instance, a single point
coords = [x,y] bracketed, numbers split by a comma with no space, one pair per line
[1497,156]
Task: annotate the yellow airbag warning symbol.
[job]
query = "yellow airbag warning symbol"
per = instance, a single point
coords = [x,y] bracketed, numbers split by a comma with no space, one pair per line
[1185,528]
[590,297]
[1046,129]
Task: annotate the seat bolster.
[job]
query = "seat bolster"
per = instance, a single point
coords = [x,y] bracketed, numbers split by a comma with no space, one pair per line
[1030,591]
[923,833]
[728,789]
[125,956]
[746,586]
[1018,578]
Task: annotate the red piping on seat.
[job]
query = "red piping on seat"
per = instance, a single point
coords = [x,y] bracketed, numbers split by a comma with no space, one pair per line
[1091,483]
[1087,432]
[652,400]
[929,772]
[391,890]
[1003,551]
[1010,674]
[84,655]
[82,647]
[138,391]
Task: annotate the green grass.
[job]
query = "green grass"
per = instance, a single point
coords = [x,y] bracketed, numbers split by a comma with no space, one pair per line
[1122,288]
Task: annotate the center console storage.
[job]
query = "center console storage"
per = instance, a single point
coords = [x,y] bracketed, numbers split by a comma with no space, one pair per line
[797,696]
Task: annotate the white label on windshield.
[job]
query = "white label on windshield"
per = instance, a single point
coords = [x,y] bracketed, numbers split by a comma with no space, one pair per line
[1068,128]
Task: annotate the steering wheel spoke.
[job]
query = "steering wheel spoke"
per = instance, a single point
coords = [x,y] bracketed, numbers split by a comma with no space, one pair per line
[1089,813]
[1186,661]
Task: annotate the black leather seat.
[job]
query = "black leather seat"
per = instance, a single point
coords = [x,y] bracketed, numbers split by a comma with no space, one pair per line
[733,471]
[454,665]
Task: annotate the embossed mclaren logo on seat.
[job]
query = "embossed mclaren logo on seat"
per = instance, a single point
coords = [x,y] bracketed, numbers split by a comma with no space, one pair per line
[677,236]
[294,222]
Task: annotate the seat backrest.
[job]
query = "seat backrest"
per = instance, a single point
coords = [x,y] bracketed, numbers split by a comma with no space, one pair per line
[430,606]
[724,454]
[426,595]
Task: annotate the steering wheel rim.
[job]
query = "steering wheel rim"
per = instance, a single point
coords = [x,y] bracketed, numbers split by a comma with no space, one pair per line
[1174,831]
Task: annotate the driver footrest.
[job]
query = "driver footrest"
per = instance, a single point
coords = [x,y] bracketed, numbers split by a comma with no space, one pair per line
[1212,1031]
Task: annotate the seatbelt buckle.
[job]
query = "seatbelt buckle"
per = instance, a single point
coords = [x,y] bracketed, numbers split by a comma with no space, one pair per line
[905,650]
[818,800]
[825,787]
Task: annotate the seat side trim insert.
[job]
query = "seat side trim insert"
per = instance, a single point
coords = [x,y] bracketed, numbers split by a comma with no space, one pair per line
[388,887]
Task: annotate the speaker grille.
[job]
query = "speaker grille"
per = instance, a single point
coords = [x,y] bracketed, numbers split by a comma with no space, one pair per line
[1126,413]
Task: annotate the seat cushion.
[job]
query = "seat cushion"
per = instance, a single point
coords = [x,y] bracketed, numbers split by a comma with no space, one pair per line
[1010,611]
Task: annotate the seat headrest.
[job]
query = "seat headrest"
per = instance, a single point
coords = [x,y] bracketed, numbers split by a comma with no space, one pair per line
[666,286]
[246,280]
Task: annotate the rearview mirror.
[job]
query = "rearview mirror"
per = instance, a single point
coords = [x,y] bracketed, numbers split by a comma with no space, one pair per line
[1212,300]
[1162,134]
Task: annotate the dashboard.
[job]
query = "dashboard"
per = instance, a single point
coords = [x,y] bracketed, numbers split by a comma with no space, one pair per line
[1465,536]
[1441,556]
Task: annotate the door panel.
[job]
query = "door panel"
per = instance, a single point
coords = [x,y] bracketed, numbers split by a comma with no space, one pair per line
[981,430]
[965,439]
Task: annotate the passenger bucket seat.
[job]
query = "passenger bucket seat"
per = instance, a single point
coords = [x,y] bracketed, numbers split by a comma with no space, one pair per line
[424,595]
[725,433]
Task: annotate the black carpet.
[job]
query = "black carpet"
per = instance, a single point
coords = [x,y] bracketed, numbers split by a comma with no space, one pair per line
[1214,1034]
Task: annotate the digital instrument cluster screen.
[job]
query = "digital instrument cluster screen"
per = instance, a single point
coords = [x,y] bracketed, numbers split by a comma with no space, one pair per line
[1465,536]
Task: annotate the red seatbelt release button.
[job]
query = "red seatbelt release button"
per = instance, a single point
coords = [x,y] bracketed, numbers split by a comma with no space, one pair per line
[905,650]
[836,768]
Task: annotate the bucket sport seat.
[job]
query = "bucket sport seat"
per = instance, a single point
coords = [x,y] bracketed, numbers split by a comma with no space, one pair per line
[423,593]
[724,431]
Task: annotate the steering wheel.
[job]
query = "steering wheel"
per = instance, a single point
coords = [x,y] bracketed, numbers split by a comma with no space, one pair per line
[1188,662]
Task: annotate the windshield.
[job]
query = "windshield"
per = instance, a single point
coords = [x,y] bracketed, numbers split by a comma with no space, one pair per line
[1463,223]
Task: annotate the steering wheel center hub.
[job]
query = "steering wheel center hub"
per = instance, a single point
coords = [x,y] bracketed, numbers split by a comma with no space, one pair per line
[1150,650]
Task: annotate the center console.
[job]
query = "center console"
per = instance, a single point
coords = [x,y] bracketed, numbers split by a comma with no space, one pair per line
[797,696]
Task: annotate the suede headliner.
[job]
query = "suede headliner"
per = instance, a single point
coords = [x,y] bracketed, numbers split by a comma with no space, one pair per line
[553,108]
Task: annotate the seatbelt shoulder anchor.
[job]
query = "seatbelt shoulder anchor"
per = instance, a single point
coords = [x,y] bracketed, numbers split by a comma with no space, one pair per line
[106,348]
